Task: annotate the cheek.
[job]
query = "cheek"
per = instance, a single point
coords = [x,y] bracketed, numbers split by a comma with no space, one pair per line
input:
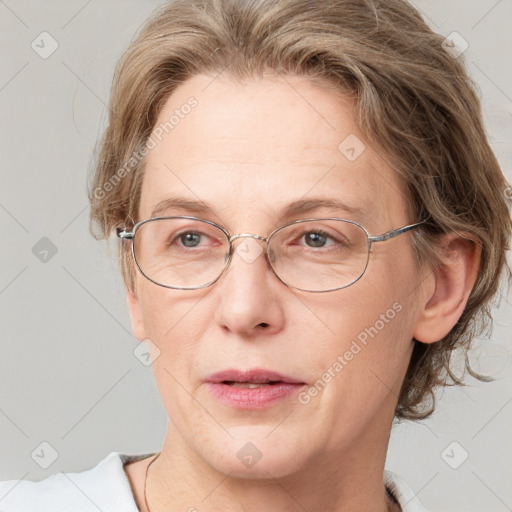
[356,373]
[165,312]
[366,338]
[369,309]
[175,324]
[360,336]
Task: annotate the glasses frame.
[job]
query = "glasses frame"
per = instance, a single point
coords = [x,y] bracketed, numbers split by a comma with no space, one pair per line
[124,234]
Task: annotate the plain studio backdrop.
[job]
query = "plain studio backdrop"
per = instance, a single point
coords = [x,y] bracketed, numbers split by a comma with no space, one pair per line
[72,386]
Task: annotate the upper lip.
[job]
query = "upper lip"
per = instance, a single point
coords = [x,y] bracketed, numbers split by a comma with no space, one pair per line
[253,375]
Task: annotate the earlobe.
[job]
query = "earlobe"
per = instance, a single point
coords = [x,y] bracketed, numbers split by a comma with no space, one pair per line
[453,282]
[135,315]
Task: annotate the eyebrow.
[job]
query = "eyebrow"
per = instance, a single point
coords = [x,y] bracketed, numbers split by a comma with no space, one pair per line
[297,207]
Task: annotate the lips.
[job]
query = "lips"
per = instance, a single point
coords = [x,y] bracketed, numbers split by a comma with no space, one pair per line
[251,376]
[252,389]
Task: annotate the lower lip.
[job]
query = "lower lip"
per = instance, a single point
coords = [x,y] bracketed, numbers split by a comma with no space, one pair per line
[252,398]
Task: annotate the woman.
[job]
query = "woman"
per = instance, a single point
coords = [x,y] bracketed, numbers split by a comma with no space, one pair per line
[310,220]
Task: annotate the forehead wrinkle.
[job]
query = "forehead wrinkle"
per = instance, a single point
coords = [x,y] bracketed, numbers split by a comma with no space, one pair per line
[302,206]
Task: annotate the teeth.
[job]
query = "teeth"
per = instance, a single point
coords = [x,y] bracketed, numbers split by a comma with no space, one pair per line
[249,385]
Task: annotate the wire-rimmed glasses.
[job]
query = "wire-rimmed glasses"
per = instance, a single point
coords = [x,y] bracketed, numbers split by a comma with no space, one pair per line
[313,255]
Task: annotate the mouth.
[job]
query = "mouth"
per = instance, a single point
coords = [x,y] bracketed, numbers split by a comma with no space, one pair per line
[254,377]
[250,385]
[252,389]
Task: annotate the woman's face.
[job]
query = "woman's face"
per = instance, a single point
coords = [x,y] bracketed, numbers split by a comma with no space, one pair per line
[249,150]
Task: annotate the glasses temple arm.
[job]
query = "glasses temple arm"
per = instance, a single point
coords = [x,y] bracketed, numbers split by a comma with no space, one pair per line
[393,233]
[123,234]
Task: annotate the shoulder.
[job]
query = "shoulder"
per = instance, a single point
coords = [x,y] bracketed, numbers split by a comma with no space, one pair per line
[104,487]
[403,494]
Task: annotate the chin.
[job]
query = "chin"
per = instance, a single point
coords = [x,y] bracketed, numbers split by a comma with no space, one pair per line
[254,454]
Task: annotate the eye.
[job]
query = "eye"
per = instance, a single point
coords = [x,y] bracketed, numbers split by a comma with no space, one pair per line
[319,238]
[193,239]
[316,238]
[190,238]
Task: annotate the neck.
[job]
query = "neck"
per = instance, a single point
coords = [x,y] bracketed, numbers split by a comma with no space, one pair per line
[343,481]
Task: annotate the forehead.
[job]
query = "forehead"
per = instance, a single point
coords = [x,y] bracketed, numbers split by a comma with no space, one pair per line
[251,148]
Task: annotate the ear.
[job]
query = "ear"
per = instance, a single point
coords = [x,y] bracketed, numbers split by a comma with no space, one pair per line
[449,287]
[135,315]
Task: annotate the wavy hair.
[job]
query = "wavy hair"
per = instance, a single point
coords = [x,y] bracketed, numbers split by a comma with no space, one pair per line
[415,104]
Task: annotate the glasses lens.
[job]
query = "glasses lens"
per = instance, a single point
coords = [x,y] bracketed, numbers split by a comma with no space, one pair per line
[319,255]
[180,253]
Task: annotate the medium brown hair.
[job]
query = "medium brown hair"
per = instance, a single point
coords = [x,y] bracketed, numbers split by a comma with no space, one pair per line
[415,104]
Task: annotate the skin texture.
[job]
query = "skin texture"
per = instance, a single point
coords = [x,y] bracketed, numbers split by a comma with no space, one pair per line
[249,149]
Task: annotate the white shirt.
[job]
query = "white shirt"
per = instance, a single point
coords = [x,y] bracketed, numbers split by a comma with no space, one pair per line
[106,488]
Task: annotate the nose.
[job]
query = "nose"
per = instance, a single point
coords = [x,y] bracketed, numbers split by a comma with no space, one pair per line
[250,294]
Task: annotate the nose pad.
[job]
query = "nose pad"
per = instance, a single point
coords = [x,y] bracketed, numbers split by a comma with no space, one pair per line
[272,256]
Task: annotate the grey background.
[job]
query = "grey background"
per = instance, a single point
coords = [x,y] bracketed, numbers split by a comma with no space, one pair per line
[68,375]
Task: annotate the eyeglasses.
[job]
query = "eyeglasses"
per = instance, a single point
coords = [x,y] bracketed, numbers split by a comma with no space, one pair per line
[313,255]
